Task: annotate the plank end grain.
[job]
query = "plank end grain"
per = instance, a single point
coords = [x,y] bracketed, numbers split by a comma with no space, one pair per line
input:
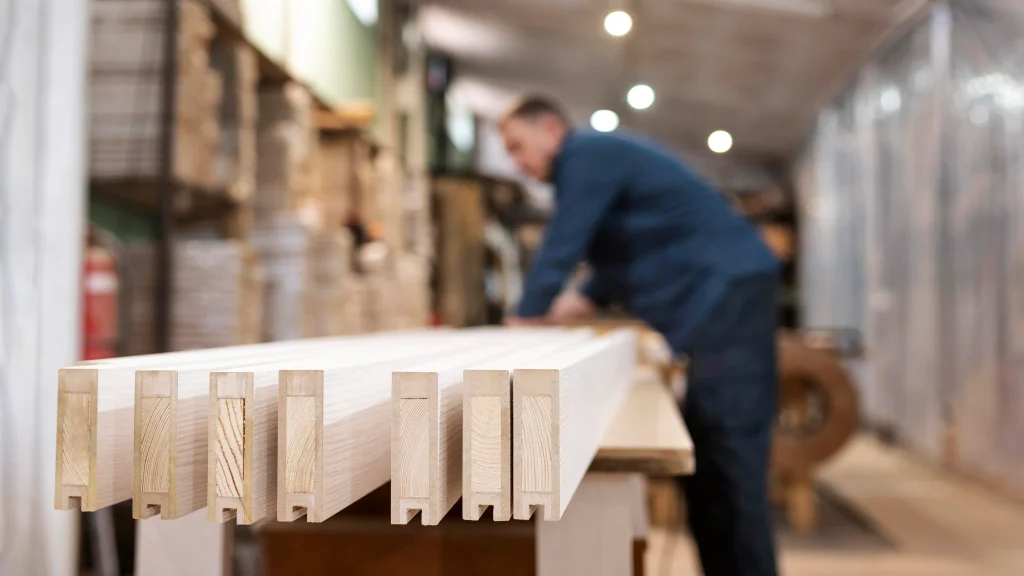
[230,442]
[76,439]
[536,451]
[155,393]
[300,433]
[414,434]
[486,441]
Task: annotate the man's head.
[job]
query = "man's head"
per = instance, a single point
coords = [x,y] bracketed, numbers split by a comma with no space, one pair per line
[533,131]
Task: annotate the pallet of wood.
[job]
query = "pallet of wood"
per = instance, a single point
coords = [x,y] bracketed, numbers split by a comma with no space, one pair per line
[285,247]
[217,290]
[286,144]
[332,271]
[346,176]
[126,122]
[235,163]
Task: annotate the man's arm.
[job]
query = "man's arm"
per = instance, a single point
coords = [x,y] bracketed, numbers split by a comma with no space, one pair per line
[586,191]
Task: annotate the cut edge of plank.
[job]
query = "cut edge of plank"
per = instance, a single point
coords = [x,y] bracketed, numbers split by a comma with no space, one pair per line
[300,446]
[414,399]
[535,475]
[487,392]
[75,465]
[156,392]
[231,448]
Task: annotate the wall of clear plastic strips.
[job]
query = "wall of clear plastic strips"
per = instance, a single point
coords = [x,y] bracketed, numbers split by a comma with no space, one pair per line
[912,215]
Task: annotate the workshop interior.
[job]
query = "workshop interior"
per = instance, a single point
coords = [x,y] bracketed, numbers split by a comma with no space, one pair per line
[261,266]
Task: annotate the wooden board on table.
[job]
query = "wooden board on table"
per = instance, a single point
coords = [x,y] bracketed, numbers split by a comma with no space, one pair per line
[427,424]
[648,434]
[487,427]
[94,438]
[334,427]
[562,407]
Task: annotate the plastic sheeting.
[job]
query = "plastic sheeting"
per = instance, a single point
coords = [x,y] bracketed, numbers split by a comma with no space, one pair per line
[913,232]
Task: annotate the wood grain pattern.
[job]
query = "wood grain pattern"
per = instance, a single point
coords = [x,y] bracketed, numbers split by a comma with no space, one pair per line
[648,433]
[153,417]
[93,456]
[414,469]
[76,436]
[487,424]
[352,428]
[562,407]
[301,443]
[230,439]
[486,469]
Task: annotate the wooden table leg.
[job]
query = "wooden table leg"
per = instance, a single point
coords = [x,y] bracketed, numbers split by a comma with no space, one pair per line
[595,535]
[188,545]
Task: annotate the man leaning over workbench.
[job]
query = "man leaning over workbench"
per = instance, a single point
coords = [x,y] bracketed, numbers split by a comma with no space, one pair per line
[663,243]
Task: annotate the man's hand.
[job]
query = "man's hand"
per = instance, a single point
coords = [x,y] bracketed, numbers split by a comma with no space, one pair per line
[569,307]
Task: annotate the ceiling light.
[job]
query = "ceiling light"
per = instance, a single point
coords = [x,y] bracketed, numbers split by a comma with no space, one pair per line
[640,97]
[720,142]
[604,121]
[618,23]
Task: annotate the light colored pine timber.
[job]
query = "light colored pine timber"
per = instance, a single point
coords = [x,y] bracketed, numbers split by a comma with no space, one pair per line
[187,437]
[487,425]
[334,432]
[648,433]
[94,438]
[562,407]
[441,384]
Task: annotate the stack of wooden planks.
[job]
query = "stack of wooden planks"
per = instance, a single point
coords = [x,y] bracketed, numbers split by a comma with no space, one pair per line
[126,119]
[286,141]
[218,289]
[235,163]
[332,271]
[308,427]
[285,246]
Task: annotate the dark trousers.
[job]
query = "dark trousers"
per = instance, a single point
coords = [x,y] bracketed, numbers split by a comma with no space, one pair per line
[729,409]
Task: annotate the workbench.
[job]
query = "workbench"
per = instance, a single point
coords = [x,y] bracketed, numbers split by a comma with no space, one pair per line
[603,531]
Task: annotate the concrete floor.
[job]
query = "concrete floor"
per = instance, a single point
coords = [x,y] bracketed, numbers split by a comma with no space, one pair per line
[883,513]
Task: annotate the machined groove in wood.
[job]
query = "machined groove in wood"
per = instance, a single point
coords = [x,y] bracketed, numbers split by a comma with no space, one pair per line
[487,425]
[334,430]
[562,406]
[443,384]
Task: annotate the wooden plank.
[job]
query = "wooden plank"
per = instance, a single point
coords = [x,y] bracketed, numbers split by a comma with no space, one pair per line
[334,432]
[561,408]
[438,388]
[648,433]
[333,429]
[487,426]
[246,422]
[94,431]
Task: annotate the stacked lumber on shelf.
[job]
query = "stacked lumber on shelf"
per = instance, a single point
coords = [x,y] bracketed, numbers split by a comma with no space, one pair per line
[347,177]
[126,92]
[235,163]
[332,271]
[286,141]
[217,290]
[284,244]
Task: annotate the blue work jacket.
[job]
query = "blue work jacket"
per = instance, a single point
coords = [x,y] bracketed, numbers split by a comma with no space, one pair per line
[659,239]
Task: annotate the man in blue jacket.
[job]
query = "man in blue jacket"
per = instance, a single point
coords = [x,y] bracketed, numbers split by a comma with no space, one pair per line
[668,247]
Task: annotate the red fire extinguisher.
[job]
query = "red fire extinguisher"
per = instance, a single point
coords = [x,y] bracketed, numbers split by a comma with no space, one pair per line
[100,305]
